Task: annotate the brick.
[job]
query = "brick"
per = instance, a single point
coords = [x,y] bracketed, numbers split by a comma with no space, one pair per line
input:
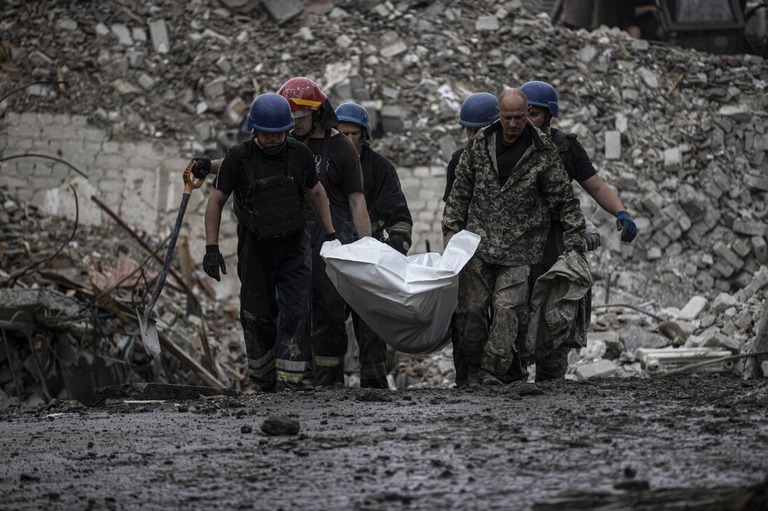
[694,308]
[48,182]
[724,269]
[283,10]
[612,145]
[158,32]
[673,158]
[91,134]
[760,249]
[598,369]
[421,172]
[729,256]
[653,254]
[740,248]
[110,147]
[723,301]
[756,182]
[123,34]
[393,50]
[749,227]
[486,23]
[111,185]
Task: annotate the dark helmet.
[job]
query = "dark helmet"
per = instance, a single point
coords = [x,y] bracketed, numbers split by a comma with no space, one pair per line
[270,113]
[541,94]
[303,95]
[354,113]
[478,110]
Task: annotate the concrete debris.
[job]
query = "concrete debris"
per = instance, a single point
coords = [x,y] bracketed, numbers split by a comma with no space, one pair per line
[277,426]
[679,133]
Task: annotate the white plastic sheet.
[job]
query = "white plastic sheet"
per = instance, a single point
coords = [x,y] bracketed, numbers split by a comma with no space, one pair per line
[407,301]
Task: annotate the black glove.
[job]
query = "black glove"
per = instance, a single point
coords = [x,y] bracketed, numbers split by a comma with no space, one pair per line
[592,237]
[202,168]
[626,225]
[399,243]
[212,261]
[330,236]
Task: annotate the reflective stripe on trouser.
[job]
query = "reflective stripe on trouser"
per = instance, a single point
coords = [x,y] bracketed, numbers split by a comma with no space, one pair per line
[373,355]
[275,278]
[327,328]
[501,291]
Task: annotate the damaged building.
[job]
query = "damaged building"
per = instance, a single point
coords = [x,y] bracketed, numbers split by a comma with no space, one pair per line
[103,107]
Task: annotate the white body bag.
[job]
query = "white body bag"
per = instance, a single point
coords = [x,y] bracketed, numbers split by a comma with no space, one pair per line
[406,300]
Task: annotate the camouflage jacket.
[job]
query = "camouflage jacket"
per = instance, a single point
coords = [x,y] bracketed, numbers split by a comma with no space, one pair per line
[513,220]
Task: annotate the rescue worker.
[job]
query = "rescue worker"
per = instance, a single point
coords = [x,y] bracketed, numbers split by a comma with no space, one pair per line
[508,181]
[542,107]
[338,169]
[270,176]
[391,223]
[477,111]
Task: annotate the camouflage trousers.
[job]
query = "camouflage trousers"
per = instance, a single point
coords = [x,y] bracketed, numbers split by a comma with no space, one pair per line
[491,297]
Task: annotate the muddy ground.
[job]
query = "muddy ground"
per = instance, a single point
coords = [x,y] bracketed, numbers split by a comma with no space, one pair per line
[632,443]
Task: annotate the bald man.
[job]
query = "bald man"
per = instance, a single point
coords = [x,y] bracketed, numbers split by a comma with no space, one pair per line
[509,182]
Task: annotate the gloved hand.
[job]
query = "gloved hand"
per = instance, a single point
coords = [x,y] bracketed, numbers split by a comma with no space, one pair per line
[626,225]
[212,261]
[202,168]
[592,236]
[399,243]
[330,236]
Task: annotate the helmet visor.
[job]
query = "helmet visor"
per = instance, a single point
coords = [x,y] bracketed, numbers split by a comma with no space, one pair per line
[301,113]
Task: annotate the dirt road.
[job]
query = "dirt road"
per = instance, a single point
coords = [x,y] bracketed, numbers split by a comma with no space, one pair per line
[626,443]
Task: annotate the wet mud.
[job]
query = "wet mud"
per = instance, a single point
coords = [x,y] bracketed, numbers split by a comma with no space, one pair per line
[693,442]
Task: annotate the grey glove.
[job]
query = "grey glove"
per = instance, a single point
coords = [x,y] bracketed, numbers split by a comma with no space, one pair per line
[592,237]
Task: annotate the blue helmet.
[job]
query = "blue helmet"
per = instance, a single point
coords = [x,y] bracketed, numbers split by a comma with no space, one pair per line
[357,114]
[270,113]
[478,110]
[541,94]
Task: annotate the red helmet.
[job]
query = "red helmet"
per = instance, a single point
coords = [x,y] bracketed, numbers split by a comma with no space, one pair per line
[303,95]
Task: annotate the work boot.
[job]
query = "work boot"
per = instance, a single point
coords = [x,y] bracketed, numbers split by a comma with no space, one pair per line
[265,388]
[287,386]
[472,375]
[487,379]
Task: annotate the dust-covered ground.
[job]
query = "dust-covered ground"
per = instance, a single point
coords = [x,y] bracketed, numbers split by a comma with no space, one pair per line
[681,442]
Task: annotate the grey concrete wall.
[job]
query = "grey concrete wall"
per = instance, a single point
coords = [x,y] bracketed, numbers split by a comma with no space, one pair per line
[141,181]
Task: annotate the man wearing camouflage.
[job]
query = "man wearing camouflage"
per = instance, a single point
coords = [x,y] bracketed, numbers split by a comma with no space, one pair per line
[508,182]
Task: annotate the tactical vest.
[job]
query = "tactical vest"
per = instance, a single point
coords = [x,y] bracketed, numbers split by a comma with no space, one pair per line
[564,141]
[273,206]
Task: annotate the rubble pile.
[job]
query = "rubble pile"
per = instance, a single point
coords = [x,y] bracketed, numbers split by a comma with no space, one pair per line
[68,296]
[680,134]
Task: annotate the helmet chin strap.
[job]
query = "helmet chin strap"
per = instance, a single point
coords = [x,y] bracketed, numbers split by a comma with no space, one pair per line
[269,150]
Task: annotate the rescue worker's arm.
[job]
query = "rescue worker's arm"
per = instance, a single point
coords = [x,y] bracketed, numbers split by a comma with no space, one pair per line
[610,202]
[213,260]
[393,208]
[319,202]
[359,214]
[603,195]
